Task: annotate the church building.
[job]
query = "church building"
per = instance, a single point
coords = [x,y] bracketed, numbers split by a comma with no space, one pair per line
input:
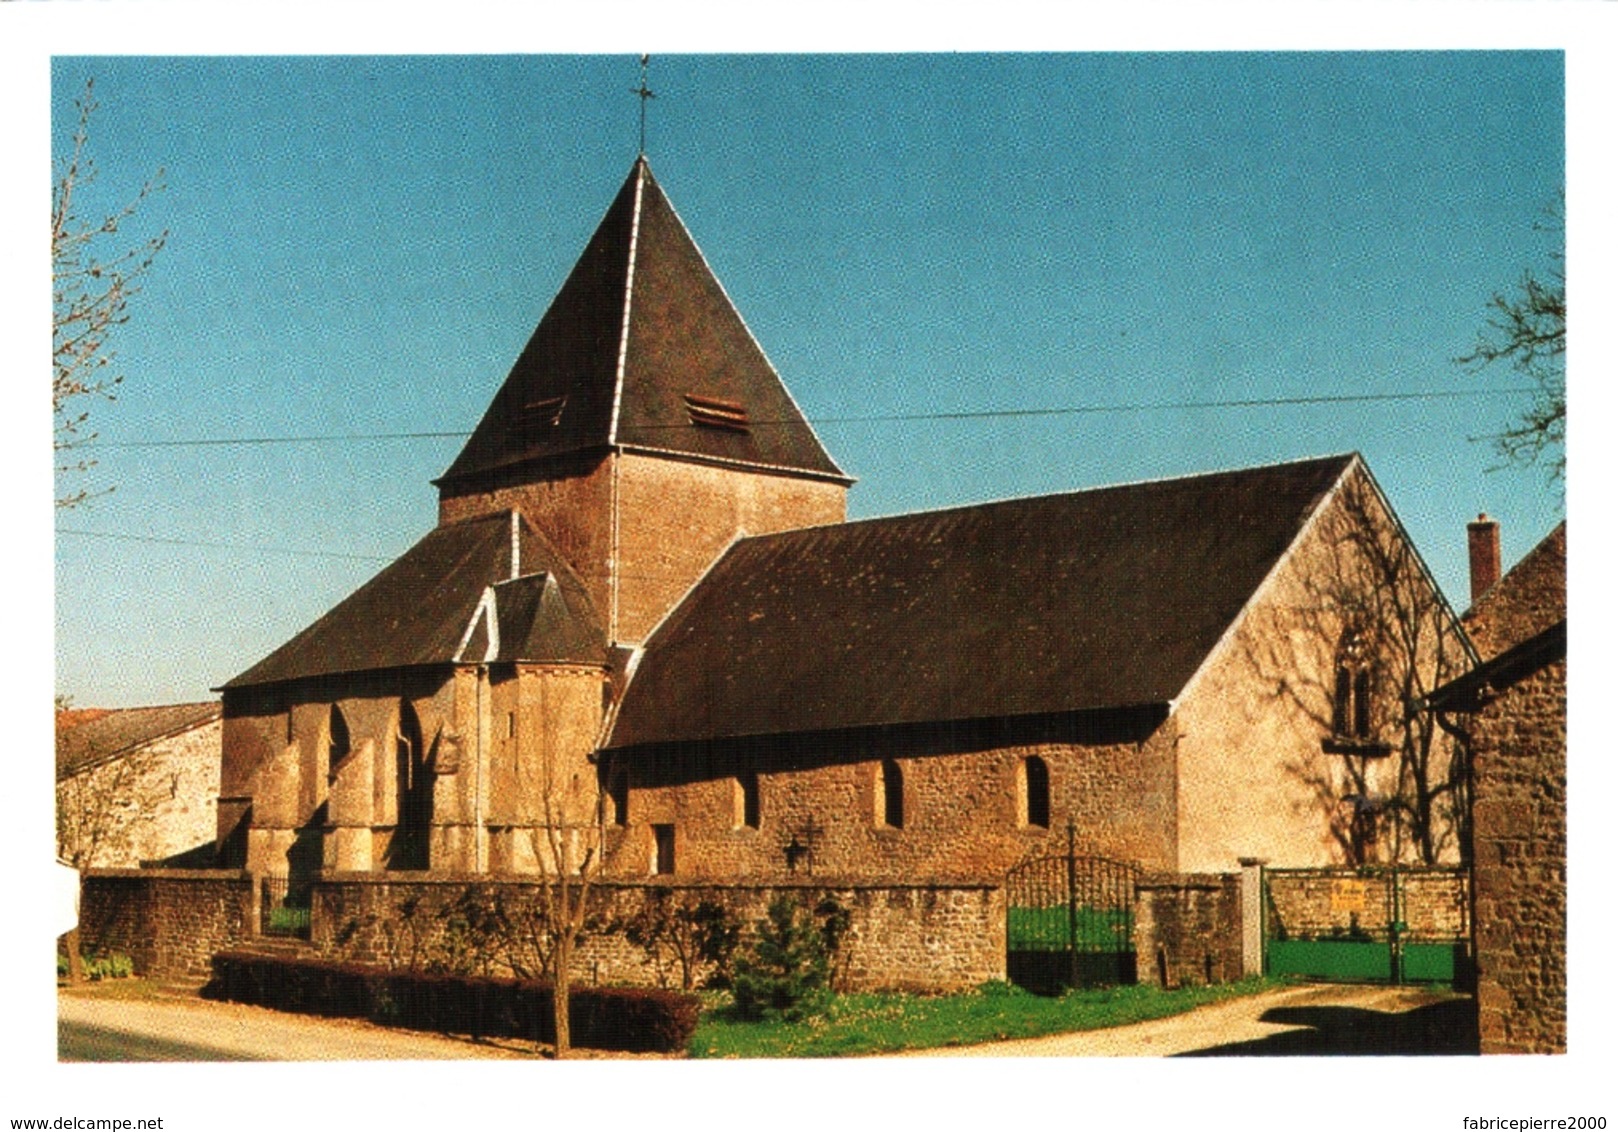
[643,637]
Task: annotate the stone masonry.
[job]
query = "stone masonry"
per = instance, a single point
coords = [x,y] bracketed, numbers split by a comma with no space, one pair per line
[1188,929]
[149,804]
[170,922]
[1520,866]
[926,936]
[823,807]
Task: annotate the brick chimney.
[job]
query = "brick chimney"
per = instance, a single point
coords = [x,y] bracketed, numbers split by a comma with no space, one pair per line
[1483,550]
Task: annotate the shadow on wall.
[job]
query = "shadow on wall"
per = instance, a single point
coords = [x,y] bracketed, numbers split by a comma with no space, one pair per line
[1446,1028]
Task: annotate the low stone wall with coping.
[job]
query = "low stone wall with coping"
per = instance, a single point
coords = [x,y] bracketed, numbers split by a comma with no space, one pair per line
[170,922]
[939,935]
[1188,929]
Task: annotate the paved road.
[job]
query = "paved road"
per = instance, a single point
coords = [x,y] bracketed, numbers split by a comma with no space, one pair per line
[92,1028]
[1305,1020]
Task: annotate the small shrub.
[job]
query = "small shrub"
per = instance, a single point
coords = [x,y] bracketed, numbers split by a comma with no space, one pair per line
[785,974]
[999,988]
[113,966]
[288,921]
[600,1017]
[689,934]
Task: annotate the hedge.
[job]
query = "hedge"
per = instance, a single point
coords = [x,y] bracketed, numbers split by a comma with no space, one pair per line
[616,1018]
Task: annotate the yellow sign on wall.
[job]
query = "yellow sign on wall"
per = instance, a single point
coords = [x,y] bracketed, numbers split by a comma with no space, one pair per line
[1348,895]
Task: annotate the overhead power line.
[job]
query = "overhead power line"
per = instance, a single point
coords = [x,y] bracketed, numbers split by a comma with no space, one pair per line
[878,418]
[255,548]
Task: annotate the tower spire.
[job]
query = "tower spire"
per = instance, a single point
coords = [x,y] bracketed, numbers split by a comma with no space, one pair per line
[643,92]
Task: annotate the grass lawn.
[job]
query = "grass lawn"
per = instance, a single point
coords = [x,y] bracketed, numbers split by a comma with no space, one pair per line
[885,1023]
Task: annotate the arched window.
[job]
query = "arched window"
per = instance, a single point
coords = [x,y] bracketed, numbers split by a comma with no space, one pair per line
[745,790]
[618,796]
[413,833]
[338,747]
[1351,703]
[1034,786]
[890,795]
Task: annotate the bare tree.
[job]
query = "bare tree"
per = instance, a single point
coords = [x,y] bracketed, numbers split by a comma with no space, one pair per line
[91,286]
[569,853]
[1528,329]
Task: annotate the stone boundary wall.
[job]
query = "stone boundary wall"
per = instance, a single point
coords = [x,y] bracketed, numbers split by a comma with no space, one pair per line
[1308,905]
[927,936]
[940,935]
[1188,929]
[169,922]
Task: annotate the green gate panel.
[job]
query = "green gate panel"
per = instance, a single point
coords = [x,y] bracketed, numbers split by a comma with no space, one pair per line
[1430,962]
[1348,960]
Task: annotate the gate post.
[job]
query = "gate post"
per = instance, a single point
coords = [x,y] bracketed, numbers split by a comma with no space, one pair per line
[1396,928]
[1252,900]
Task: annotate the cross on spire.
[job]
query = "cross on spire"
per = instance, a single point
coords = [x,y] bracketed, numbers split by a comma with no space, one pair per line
[643,92]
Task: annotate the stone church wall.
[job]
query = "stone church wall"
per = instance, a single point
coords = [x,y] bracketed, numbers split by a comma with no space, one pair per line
[821,805]
[293,810]
[677,517]
[569,502]
[1255,780]
[674,518]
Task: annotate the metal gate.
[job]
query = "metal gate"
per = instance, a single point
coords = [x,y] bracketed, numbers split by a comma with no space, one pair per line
[1070,922]
[1384,924]
[283,907]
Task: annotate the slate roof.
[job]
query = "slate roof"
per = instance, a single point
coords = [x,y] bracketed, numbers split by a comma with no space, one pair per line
[641,324]
[110,734]
[427,608]
[1108,598]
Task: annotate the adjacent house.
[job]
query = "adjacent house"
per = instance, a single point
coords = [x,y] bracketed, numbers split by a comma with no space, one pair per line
[643,632]
[137,785]
[1512,713]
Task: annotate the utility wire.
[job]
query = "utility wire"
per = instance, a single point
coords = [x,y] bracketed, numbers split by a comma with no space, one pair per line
[259,547]
[878,418]
[254,547]
[983,414]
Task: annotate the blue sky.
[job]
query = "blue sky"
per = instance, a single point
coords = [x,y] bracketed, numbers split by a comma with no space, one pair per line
[360,246]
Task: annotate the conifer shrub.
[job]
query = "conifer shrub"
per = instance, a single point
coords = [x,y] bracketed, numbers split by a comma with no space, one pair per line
[785,972]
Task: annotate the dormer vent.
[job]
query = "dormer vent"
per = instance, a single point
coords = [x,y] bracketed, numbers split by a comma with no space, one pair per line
[711,412]
[547,412]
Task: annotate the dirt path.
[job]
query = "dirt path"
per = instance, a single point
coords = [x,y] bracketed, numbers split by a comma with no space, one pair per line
[1291,1021]
[96,1026]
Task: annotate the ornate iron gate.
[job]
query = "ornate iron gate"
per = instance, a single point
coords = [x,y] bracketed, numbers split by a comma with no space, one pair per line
[1070,922]
[1384,924]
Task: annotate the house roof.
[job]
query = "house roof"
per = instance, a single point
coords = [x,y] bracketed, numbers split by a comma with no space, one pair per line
[432,605]
[1531,597]
[1478,688]
[642,348]
[1107,598]
[86,743]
